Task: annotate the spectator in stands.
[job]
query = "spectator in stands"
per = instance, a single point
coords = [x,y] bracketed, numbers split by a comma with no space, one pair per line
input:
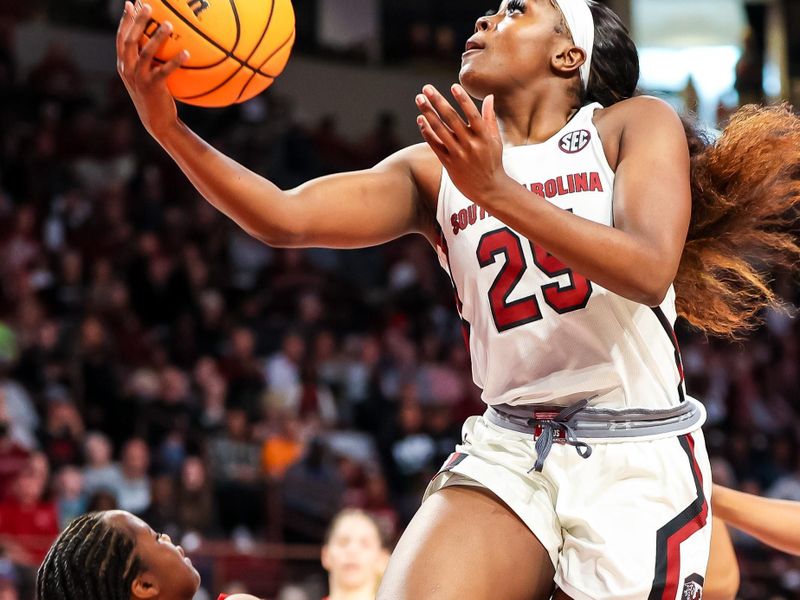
[13,455]
[236,468]
[70,497]
[241,369]
[312,493]
[9,580]
[134,487]
[62,438]
[27,518]
[283,372]
[100,473]
[161,515]
[284,446]
[20,411]
[194,498]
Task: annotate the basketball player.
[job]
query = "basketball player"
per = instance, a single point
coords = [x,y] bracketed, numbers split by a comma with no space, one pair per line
[560,212]
[115,556]
[354,556]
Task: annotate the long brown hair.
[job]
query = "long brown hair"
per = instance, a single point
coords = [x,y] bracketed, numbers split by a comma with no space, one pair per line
[745,198]
[745,195]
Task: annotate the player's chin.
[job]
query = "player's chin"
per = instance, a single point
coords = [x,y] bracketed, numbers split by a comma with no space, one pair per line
[192,573]
[474,81]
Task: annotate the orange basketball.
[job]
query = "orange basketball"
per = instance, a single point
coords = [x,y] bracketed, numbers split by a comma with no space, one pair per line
[237,47]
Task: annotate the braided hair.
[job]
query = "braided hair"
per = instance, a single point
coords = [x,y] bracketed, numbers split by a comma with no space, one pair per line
[90,560]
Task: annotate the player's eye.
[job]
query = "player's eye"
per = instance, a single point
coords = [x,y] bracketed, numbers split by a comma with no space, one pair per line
[515,6]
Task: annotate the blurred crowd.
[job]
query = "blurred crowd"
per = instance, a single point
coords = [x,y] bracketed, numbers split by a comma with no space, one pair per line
[155,358]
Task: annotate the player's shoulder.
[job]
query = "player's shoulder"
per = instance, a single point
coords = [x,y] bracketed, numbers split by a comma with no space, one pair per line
[645,111]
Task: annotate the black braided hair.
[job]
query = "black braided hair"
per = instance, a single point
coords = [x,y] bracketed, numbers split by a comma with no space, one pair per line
[90,560]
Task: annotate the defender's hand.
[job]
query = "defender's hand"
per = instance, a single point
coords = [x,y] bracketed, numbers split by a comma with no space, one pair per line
[146,81]
[471,151]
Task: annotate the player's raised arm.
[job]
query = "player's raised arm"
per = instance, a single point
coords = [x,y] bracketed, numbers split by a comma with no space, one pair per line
[341,211]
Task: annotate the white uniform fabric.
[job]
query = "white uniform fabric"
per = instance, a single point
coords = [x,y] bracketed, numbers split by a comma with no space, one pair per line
[611,529]
[552,337]
[631,521]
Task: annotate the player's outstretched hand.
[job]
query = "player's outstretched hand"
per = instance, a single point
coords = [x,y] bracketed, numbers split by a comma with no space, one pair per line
[144,79]
[471,150]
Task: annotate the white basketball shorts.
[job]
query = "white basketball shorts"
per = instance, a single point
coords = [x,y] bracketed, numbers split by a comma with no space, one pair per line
[631,522]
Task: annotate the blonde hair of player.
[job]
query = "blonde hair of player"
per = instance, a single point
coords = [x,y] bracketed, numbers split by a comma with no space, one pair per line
[354,555]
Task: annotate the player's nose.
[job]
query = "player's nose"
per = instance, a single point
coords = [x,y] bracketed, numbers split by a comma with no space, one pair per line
[483,24]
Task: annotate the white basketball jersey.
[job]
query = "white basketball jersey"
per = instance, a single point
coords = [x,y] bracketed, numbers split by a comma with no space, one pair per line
[537,332]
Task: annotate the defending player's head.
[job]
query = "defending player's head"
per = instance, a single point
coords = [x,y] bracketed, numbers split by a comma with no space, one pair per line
[354,553]
[115,556]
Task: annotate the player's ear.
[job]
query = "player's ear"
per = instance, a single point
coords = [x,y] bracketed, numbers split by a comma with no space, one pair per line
[568,58]
[325,559]
[145,586]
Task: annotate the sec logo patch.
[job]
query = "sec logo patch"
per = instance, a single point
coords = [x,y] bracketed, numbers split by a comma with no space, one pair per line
[574,141]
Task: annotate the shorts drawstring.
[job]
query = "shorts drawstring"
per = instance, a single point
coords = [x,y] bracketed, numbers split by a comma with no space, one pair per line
[562,421]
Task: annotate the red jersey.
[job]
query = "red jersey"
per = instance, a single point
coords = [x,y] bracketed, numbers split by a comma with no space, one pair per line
[36,526]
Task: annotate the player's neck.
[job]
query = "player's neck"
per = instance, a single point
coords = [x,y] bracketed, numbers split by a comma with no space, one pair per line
[530,117]
[366,592]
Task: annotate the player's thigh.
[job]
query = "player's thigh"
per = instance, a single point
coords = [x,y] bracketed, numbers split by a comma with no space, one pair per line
[465,543]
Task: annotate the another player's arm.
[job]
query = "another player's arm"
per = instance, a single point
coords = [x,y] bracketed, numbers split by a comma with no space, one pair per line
[342,211]
[722,575]
[636,258]
[774,522]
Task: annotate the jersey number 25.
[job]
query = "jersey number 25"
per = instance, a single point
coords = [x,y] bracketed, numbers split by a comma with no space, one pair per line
[509,314]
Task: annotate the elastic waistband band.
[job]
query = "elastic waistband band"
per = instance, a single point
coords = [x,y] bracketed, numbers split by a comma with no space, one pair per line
[599,423]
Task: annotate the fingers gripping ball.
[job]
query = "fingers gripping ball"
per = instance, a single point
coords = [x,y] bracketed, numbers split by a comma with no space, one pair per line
[236,47]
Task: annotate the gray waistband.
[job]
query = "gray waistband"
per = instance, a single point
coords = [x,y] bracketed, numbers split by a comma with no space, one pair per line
[602,423]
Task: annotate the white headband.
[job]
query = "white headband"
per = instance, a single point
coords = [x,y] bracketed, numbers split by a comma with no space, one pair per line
[581,23]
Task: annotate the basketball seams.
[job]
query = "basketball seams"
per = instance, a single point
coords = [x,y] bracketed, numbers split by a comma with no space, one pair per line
[238,26]
[255,48]
[263,33]
[274,52]
[235,58]
[224,58]
[245,63]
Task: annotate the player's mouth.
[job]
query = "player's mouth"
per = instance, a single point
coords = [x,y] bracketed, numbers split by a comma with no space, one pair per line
[473,47]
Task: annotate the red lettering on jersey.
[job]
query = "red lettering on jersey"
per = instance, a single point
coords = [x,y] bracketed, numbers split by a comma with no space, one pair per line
[462,218]
[563,185]
[581,182]
[472,213]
